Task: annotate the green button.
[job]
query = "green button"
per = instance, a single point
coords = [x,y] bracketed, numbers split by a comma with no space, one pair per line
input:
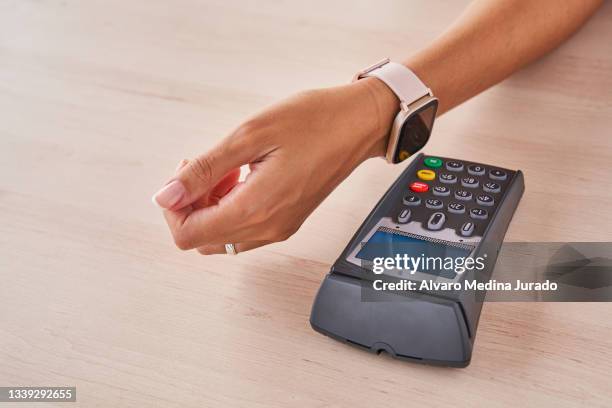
[433,162]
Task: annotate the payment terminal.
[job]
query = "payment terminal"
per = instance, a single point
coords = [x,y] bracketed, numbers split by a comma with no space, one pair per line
[438,207]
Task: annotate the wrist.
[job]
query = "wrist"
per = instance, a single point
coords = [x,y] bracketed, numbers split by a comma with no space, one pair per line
[386,106]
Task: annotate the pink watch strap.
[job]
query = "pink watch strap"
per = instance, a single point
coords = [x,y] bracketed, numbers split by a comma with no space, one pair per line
[402,81]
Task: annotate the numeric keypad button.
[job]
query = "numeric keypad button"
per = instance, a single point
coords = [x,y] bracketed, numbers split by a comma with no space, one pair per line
[411,199]
[419,187]
[485,200]
[469,182]
[491,187]
[463,195]
[441,191]
[433,162]
[426,175]
[454,166]
[498,174]
[479,213]
[476,170]
[403,216]
[436,221]
[456,208]
[447,178]
[434,203]
[467,229]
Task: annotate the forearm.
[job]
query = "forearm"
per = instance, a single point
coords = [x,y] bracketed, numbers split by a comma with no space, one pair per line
[493,39]
[206,206]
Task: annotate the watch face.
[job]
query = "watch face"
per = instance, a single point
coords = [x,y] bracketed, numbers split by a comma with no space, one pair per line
[415,131]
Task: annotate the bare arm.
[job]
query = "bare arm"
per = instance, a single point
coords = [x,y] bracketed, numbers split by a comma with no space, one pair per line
[491,40]
[486,44]
[300,149]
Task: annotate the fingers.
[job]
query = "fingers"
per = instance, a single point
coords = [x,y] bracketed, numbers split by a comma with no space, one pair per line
[240,247]
[248,213]
[177,219]
[224,186]
[195,178]
[211,224]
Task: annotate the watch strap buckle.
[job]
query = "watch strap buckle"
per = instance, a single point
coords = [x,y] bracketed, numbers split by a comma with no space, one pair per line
[369,69]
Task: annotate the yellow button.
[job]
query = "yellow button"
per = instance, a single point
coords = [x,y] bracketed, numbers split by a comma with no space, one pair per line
[426,175]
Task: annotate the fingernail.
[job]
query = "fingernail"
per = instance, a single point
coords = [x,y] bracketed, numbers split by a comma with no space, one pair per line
[170,195]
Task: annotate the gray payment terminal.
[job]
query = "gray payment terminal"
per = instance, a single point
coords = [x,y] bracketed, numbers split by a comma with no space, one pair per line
[437,207]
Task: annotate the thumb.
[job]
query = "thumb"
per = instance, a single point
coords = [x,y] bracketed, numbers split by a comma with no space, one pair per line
[199,176]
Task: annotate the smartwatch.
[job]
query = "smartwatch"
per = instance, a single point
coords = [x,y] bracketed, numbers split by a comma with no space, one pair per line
[412,125]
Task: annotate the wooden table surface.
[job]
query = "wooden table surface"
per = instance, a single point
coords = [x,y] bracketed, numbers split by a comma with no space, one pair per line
[100,99]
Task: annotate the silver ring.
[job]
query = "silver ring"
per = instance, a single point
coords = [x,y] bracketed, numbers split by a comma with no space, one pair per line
[230,249]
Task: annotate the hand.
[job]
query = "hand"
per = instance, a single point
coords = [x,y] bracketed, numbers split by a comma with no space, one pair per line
[298,151]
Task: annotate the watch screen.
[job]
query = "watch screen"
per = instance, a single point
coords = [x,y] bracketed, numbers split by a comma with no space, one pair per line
[415,131]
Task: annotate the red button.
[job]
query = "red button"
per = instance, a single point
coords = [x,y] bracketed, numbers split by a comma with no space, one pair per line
[419,187]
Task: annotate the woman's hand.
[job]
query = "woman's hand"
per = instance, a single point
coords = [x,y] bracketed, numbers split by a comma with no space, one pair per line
[298,152]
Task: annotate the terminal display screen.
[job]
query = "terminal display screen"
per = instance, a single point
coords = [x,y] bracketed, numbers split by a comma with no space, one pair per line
[435,258]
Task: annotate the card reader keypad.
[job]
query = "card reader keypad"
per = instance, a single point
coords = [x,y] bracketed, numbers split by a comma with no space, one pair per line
[463,195]
[491,187]
[436,221]
[434,203]
[454,165]
[448,178]
[455,194]
[441,191]
[411,200]
[404,216]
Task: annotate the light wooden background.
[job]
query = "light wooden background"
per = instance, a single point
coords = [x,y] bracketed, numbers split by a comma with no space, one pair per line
[100,99]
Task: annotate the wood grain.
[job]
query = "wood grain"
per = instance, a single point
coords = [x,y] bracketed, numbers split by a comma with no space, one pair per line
[100,99]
